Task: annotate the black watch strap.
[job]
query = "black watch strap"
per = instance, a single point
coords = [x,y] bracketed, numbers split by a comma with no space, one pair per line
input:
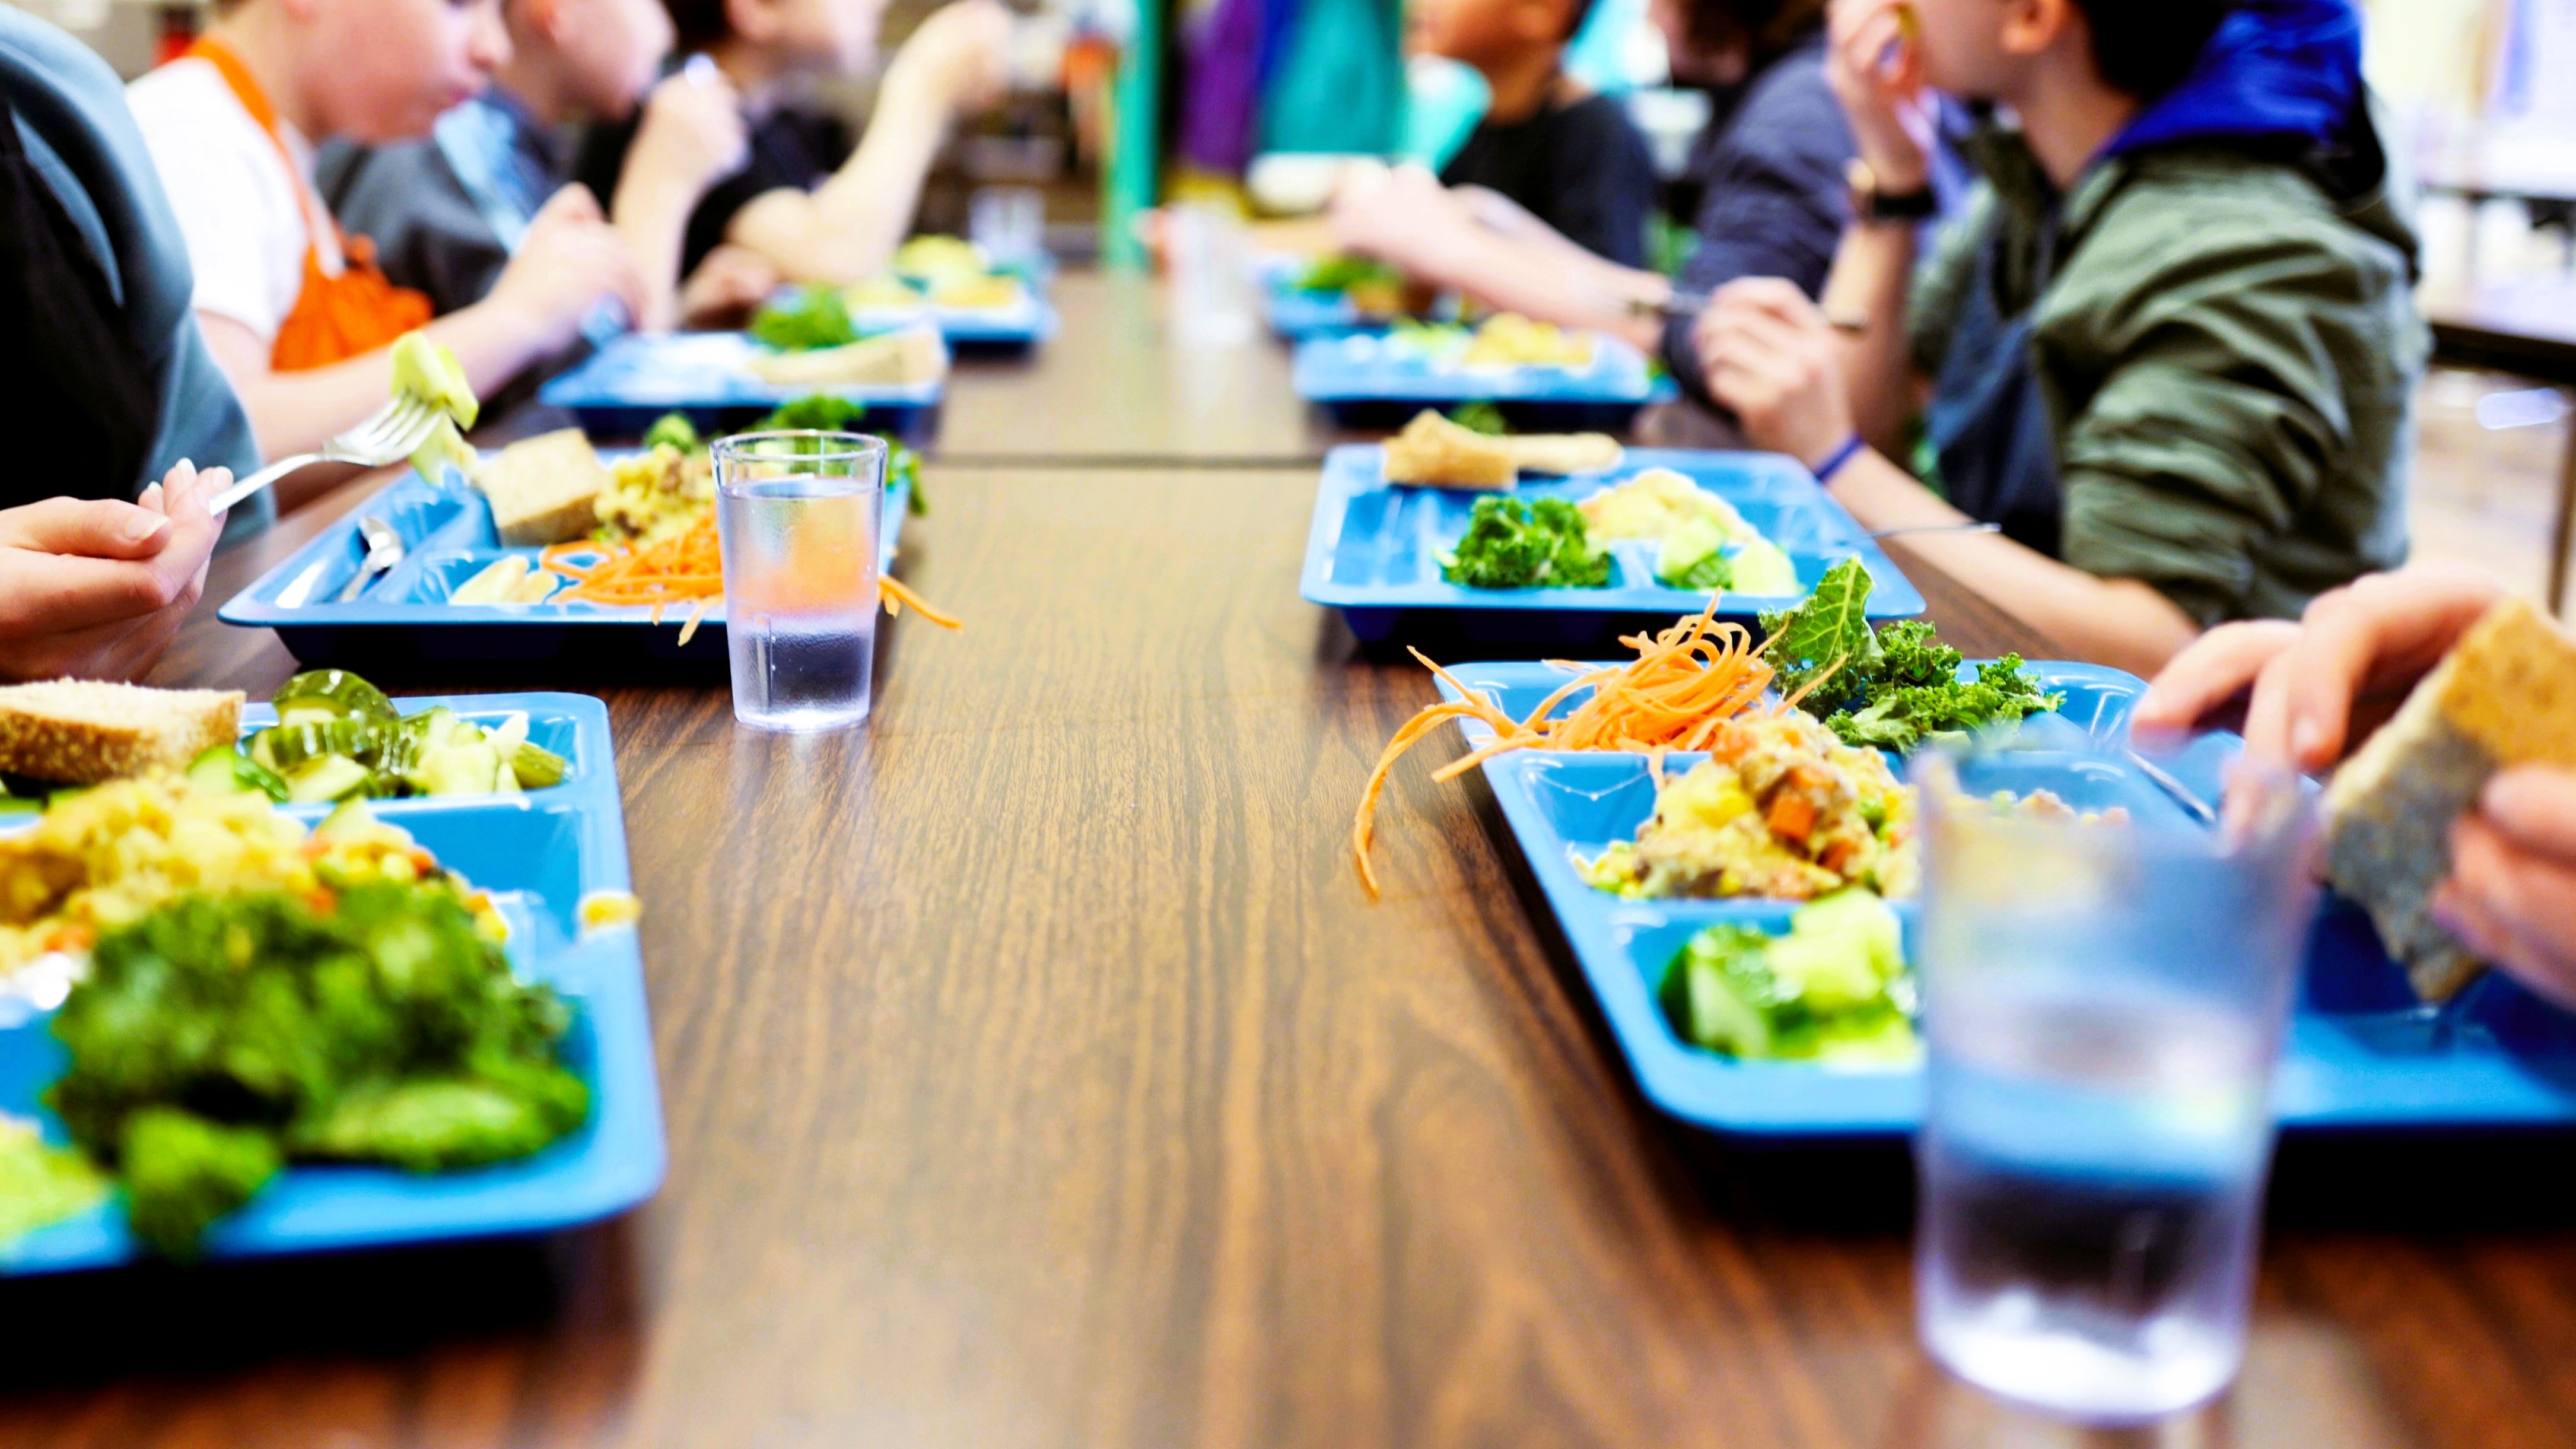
[1870,203]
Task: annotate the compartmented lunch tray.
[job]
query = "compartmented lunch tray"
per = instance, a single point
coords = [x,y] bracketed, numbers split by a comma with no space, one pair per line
[619,390]
[540,853]
[1380,379]
[987,330]
[2361,1054]
[404,620]
[1373,550]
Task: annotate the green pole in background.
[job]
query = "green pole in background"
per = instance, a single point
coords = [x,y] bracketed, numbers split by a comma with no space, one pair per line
[1128,185]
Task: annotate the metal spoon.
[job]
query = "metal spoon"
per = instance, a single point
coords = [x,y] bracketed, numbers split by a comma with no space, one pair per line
[384,550]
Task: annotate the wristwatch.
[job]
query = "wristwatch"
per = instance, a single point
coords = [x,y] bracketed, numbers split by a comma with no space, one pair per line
[1870,204]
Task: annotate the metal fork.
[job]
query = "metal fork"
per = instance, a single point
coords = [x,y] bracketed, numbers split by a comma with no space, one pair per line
[394,433]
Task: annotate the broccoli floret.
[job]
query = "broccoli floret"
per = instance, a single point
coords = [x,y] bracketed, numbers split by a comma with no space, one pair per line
[183,1172]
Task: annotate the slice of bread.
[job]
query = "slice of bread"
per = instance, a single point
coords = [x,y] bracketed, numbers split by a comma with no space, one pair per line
[1565,452]
[545,489]
[1436,452]
[79,731]
[2505,696]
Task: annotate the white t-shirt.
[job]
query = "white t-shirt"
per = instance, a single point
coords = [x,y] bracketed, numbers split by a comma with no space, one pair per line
[241,210]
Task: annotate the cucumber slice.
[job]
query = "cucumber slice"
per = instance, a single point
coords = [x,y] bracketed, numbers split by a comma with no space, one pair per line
[537,767]
[223,768]
[352,816]
[333,777]
[287,748]
[344,694]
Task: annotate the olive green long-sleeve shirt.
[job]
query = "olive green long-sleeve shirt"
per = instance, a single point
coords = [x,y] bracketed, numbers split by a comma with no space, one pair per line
[2229,355]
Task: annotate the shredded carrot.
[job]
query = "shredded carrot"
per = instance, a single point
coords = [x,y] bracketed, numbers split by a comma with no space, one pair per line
[897,598]
[686,568]
[1685,684]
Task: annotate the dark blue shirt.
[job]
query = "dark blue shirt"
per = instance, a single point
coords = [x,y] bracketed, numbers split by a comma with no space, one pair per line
[1769,171]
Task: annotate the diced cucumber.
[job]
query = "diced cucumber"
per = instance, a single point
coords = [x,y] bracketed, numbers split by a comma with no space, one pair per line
[221,767]
[537,767]
[352,817]
[459,769]
[332,777]
[343,694]
[1761,568]
[1687,547]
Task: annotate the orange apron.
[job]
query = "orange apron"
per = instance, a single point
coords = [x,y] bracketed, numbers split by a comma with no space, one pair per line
[335,318]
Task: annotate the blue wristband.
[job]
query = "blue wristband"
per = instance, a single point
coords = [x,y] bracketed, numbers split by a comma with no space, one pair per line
[1834,461]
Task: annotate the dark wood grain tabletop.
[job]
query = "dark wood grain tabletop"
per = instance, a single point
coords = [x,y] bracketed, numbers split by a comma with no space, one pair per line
[1038,1075]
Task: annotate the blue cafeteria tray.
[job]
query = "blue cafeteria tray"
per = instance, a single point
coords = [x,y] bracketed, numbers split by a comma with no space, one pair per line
[1371,551]
[550,847]
[1016,328]
[1382,379]
[404,619]
[2360,1055]
[619,390]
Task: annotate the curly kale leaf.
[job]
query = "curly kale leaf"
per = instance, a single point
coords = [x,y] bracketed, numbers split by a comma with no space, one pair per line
[1481,417]
[182,1173]
[817,318]
[1512,543]
[219,1034]
[673,430]
[1829,633]
[1900,715]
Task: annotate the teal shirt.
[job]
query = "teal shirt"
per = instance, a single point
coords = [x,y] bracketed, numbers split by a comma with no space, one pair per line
[2229,357]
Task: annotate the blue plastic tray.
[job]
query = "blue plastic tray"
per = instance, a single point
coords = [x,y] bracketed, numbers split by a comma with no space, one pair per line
[1016,328]
[550,847]
[404,618]
[2361,1054]
[619,390]
[1377,378]
[1371,551]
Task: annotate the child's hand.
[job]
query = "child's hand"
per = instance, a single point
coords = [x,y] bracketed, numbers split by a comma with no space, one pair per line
[692,134]
[95,589]
[958,58]
[1402,216]
[571,260]
[1871,64]
[728,284]
[1770,357]
[2511,897]
[2321,686]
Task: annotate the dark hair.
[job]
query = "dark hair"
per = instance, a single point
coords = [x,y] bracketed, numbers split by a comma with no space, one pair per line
[2144,48]
[1764,28]
[701,24]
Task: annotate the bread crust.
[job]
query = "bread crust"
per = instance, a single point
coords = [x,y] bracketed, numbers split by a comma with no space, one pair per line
[79,732]
[2505,696]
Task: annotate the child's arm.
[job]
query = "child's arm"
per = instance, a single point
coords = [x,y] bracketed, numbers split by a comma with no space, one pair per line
[847,228]
[572,259]
[1772,359]
[691,135]
[96,588]
[1482,245]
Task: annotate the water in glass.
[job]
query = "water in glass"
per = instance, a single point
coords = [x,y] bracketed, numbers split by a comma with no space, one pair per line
[800,567]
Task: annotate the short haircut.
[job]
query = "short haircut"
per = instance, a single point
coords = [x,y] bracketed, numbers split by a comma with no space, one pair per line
[700,24]
[2144,48]
[1764,28]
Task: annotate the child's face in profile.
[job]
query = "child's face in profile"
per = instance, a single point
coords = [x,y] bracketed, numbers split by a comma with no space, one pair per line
[383,70]
[612,50]
[1482,32]
[1962,48]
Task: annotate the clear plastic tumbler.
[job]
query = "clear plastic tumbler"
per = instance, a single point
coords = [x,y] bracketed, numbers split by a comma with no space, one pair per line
[2104,1000]
[797,514]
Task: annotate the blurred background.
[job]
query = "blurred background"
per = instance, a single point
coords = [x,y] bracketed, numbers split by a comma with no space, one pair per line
[1223,97]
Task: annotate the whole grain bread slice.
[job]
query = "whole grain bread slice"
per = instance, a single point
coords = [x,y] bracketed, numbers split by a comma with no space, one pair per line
[2505,696]
[79,731]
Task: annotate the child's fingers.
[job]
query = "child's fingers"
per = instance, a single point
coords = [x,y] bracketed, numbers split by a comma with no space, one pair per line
[98,528]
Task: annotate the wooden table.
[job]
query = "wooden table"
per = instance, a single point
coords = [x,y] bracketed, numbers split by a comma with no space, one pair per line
[1117,387]
[1037,1075]
[2526,327]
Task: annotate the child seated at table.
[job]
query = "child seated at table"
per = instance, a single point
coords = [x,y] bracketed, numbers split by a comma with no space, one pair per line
[1764,190]
[2171,346]
[298,316]
[1549,148]
[447,213]
[788,205]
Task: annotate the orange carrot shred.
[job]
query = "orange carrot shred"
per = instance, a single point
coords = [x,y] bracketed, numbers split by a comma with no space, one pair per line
[1684,686]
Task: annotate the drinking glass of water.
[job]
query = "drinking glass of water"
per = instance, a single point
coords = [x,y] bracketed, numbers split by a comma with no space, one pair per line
[2106,979]
[797,515]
